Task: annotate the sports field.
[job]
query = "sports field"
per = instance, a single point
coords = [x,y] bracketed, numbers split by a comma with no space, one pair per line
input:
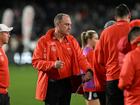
[22,87]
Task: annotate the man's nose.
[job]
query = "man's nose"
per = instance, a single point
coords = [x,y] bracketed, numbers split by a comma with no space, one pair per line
[69,27]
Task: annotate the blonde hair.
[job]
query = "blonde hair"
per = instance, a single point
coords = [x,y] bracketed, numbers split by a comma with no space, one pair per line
[87,35]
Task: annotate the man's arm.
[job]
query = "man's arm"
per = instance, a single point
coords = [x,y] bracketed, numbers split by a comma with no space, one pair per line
[127,73]
[82,61]
[39,59]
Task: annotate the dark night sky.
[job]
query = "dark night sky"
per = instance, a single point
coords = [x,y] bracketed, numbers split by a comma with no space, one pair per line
[11,3]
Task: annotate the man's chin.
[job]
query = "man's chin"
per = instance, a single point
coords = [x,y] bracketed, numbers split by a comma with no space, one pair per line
[66,33]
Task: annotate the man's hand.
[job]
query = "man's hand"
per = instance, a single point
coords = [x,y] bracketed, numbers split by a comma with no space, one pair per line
[88,76]
[58,64]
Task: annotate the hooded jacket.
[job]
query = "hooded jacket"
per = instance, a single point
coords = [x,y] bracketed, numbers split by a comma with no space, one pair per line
[41,61]
[130,76]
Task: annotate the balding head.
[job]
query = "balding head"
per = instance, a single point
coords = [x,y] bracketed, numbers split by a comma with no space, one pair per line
[59,17]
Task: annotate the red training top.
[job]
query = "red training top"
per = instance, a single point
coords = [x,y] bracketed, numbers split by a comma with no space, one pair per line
[4,72]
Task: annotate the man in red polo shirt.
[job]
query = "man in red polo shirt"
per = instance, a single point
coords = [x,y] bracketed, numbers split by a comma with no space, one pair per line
[58,57]
[107,54]
[4,70]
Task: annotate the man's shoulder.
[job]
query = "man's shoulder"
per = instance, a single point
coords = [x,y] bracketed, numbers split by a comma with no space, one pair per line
[70,37]
[42,38]
[110,30]
[111,27]
[46,36]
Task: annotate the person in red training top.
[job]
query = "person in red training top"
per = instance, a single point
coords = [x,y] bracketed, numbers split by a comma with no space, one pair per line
[130,73]
[99,75]
[4,69]
[107,54]
[124,46]
[58,57]
[89,39]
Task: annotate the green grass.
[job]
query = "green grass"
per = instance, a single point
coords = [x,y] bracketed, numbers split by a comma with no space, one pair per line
[23,84]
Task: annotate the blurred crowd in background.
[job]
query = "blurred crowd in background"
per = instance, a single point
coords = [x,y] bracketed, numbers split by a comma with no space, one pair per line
[32,18]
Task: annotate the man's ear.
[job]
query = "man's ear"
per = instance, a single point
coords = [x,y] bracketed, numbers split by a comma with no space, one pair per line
[129,15]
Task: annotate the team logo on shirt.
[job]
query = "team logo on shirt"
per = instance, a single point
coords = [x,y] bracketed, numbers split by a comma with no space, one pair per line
[53,48]
[68,49]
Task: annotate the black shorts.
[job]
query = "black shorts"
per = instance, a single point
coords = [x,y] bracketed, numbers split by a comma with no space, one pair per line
[102,97]
[58,92]
[114,96]
[90,95]
[4,99]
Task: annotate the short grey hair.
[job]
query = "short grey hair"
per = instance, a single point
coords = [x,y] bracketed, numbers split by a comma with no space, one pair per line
[109,23]
[59,17]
